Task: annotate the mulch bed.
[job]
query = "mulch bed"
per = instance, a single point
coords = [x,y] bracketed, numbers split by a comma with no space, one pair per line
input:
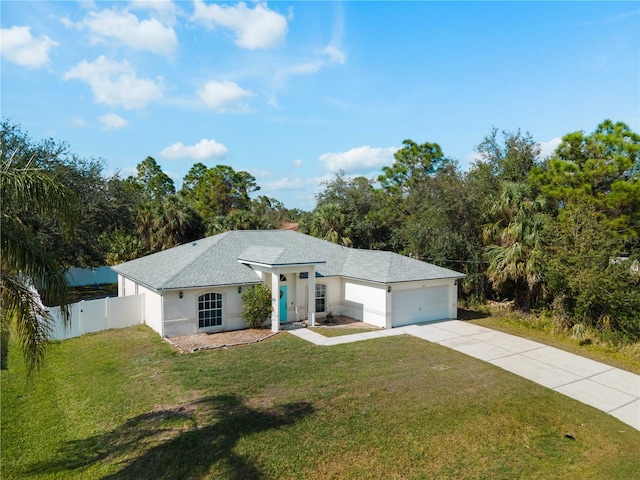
[208,341]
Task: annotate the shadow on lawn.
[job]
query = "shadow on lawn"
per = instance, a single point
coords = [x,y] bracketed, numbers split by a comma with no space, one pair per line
[183,442]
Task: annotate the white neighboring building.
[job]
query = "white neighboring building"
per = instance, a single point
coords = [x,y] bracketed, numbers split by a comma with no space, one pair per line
[196,287]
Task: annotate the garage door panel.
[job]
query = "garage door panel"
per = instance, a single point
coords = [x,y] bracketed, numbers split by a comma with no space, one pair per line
[420,305]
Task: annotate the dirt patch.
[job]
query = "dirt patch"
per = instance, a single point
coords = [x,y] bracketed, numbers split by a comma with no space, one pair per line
[207,341]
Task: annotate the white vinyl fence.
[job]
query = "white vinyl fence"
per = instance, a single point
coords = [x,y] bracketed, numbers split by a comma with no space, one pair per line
[95,315]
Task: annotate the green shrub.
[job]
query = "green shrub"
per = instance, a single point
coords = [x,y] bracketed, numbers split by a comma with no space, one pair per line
[256,305]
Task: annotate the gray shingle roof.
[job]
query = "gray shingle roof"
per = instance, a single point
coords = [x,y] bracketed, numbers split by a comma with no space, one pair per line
[278,256]
[214,261]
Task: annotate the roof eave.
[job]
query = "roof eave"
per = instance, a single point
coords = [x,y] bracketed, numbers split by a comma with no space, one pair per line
[216,285]
[279,265]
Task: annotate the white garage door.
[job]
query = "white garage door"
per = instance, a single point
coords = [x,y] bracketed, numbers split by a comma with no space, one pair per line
[419,305]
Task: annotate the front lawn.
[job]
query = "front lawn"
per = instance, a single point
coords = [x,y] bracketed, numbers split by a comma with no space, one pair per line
[123,404]
[338,332]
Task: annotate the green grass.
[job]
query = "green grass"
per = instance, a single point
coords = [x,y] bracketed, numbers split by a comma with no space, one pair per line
[338,332]
[122,404]
[542,330]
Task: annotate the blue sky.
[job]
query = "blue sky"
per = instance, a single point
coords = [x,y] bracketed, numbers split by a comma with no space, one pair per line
[295,91]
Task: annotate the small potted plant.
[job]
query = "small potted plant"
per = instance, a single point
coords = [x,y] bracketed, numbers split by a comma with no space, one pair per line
[329,317]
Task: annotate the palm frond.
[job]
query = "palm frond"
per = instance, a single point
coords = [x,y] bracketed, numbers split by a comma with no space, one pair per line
[26,263]
[23,313]
[35,188]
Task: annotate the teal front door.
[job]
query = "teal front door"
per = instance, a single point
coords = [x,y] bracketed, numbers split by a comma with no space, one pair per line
[283,303]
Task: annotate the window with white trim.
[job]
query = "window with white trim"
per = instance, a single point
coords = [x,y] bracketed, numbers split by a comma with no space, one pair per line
[209,310]
[321,298]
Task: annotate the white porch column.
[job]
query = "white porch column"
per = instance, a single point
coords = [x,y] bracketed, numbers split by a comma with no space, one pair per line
[275,302]
[311,298]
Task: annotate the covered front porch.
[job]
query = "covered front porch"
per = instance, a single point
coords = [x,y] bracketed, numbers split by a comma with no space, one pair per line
[292,281]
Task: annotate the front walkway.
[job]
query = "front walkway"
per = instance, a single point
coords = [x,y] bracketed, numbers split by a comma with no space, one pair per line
[612,390]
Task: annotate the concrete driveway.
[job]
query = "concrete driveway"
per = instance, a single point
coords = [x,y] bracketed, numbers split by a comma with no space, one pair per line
[610,389]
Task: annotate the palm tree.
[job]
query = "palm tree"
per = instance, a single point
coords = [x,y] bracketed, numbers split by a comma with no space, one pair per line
[515,256]
[28,265]
[328,223]
[168,222]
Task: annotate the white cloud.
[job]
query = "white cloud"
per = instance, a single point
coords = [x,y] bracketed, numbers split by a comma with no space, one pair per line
[20,47]
[297,163]
[358,159]
[260,173]
[163,10]
[305,68]
[307,188]
[254,28]
[116,83]
[203,150]
[127,29]
[328,56]
[334,50]
[471,159]
[87,4]
[321,180]
[293,182]
[547,149]
[318,59]
[111,121]
[122,172]
[335,54]
[224,96]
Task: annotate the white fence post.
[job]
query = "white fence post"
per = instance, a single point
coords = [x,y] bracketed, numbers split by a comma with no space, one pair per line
[107,323]
[107,311]
[81,317]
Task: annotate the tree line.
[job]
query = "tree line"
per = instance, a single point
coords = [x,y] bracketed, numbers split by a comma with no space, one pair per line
[558,233]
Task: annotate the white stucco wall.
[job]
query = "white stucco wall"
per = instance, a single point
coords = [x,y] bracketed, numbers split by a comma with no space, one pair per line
[126,287]
[365,301]
[334,293]
[152,308]
[181,314]
[172,316]
[453,300]
[299,287]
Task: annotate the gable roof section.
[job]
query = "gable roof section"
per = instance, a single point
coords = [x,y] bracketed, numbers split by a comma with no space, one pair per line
[216,261]
[276,256]
[388,267]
